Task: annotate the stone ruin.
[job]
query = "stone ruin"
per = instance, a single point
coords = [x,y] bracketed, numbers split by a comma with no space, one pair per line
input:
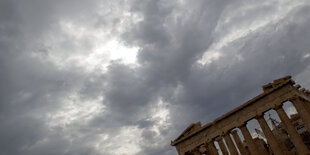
[199,140]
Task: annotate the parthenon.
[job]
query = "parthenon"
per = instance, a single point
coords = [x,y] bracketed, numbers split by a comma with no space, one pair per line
[221,136]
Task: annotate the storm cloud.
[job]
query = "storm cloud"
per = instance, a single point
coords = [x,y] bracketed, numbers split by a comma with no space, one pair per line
[127,76]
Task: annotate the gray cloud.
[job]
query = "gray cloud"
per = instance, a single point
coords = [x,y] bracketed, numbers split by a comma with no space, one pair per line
[52,103]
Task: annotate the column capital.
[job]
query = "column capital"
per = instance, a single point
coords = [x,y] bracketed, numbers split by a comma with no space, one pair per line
[294,98]
[259,115]
[219,138]
[277,106]
[226,132]
[242,125]
[209,140]
[233,131]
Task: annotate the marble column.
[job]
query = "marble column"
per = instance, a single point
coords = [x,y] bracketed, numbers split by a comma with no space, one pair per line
[248,140]
[302,111]
[222,145]
[307,105]
[230,144]
[238,142]
[211,147]
[294,136]
[275,147]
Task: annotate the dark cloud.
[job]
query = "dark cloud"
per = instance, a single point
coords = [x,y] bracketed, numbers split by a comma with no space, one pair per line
[53,101]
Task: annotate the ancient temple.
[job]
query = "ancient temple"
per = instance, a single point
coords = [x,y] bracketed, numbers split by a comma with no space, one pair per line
[290,136]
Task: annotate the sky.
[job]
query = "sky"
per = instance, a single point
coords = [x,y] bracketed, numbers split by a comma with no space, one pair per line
[125,77]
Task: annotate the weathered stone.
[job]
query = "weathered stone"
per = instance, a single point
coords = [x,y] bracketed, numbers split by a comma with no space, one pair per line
[274,95]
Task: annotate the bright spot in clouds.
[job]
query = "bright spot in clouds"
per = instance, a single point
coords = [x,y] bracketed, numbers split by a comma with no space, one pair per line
[105,48]
[104,53]
[116,51]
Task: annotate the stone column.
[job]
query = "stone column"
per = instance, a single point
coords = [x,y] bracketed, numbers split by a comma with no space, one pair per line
[307,105]
[238,142]
[211,147]
[275,147]
[294,136]
[248,140]
[179,150]
[222,145]
[303,113]
[230,144]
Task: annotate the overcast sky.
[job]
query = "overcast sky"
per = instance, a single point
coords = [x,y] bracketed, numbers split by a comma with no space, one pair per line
[125,77]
